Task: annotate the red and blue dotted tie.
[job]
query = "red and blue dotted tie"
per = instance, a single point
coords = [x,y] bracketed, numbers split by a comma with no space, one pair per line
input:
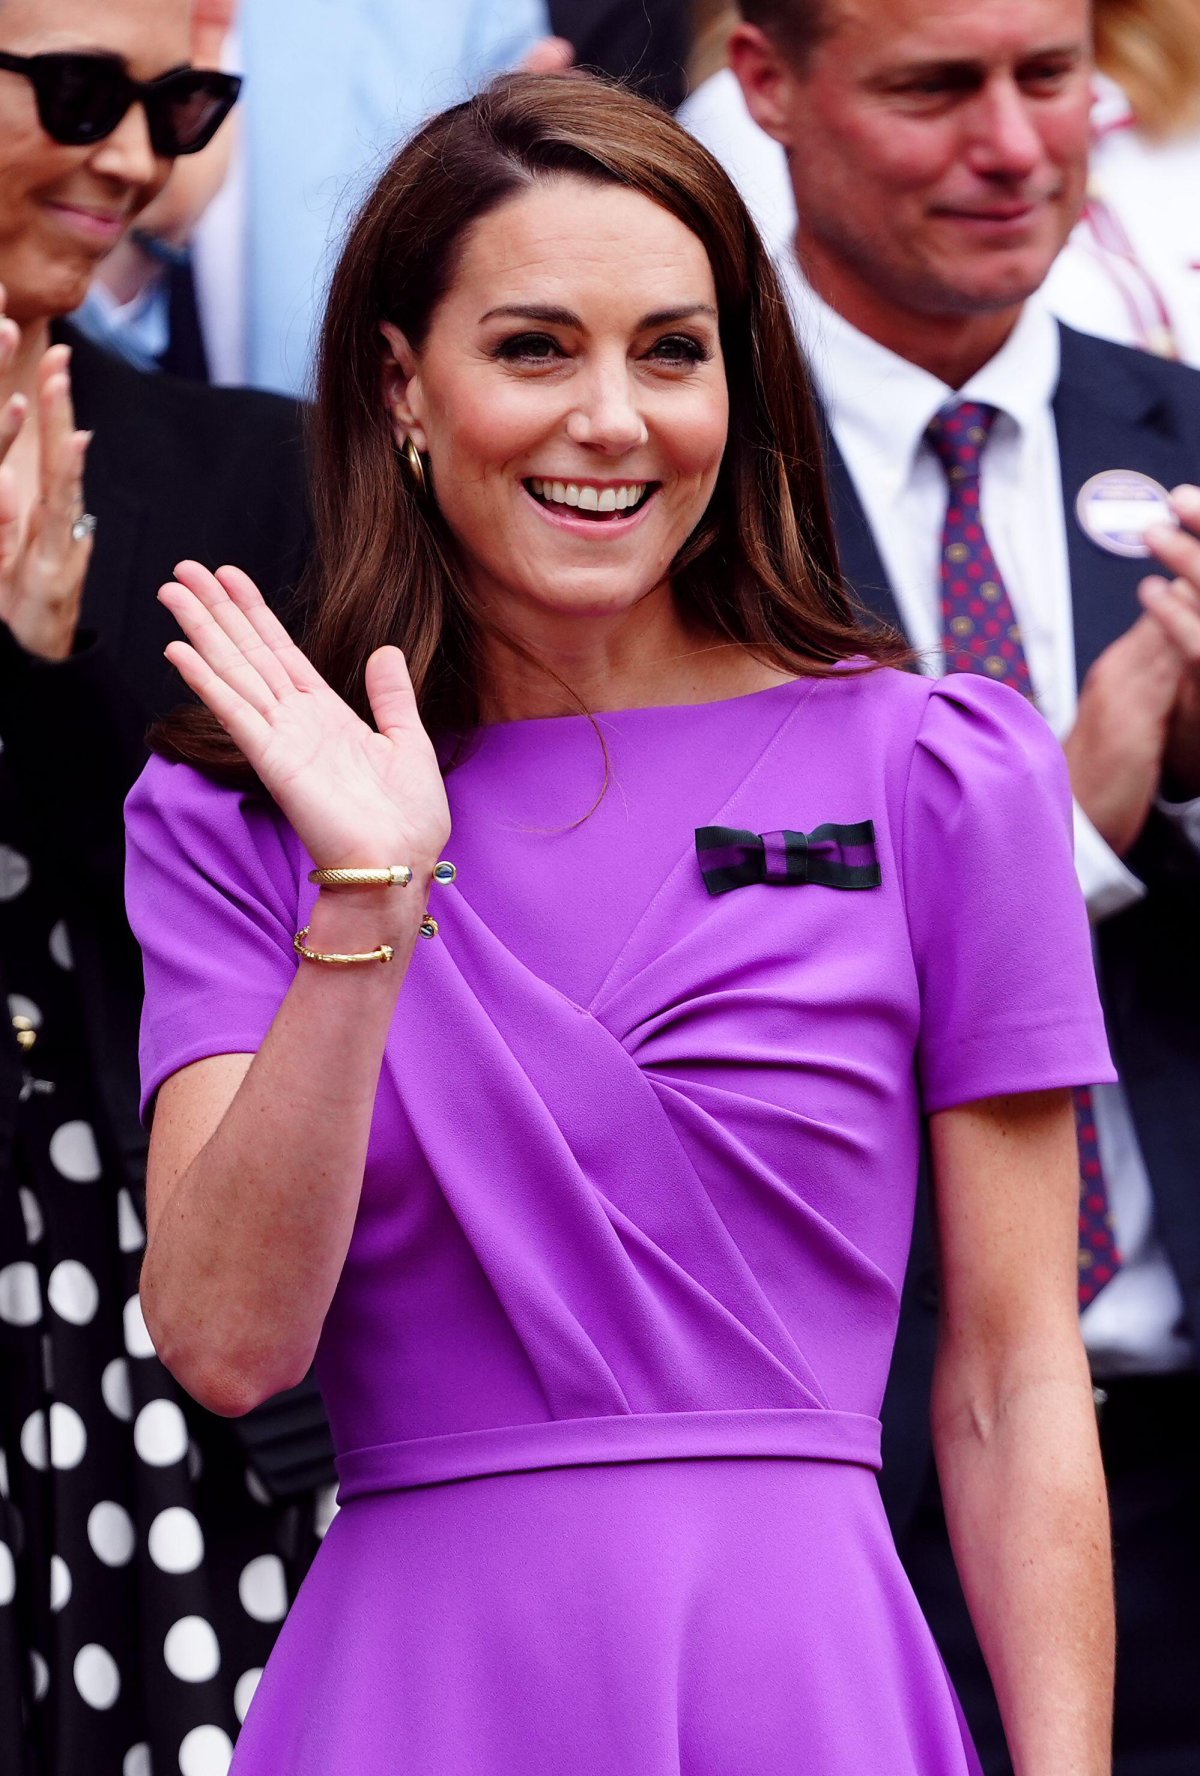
[980,633]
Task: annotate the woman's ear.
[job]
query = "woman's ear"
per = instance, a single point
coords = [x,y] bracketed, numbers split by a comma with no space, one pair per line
[401,387]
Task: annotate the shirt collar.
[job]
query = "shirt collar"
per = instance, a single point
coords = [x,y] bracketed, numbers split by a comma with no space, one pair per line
[885,403]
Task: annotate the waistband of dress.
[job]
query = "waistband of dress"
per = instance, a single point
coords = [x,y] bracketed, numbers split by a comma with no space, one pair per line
[793,1434]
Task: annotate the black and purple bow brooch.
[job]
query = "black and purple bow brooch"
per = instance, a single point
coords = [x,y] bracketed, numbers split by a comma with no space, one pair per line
[829,856]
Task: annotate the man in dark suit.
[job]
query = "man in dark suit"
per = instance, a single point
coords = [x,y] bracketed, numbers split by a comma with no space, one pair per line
[982,461]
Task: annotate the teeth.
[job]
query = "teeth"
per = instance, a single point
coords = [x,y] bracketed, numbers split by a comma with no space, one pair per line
[589,499]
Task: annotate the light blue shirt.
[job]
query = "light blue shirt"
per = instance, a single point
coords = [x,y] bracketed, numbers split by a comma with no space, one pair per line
[332,86]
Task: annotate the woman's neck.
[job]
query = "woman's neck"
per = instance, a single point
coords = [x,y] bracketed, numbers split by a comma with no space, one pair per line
[649,655]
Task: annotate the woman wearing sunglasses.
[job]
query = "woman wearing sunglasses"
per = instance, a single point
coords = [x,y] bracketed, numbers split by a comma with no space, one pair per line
[127,1620]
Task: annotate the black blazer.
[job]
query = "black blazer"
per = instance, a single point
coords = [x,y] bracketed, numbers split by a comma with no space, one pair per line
[1114,409]
[175,469]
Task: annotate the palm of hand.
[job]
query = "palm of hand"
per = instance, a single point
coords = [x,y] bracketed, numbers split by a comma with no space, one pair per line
[43,560]
[354,796]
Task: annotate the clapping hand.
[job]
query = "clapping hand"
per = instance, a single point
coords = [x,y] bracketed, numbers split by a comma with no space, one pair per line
[1137,729]
[356,797]
[1175,606]
[44,552]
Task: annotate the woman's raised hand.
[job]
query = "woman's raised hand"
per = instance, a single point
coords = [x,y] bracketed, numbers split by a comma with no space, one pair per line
[357,798]
[43,555]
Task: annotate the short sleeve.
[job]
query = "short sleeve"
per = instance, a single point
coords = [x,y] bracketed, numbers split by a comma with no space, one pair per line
[212,891]
[999,929]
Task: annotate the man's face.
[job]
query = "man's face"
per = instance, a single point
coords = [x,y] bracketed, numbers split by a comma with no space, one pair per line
[938,148]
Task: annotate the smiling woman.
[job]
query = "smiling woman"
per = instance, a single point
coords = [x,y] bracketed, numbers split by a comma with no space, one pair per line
[594,1212]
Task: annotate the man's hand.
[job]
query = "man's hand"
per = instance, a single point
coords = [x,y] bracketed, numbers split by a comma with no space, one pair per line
[1137,732]
[212,21]
[1115,750]
[1175,606]
[549,55]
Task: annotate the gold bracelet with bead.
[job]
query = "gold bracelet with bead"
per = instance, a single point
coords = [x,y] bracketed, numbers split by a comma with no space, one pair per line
[334,958]
[396,875]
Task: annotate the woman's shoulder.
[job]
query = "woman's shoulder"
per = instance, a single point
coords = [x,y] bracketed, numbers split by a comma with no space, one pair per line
[222,832]
[961,713]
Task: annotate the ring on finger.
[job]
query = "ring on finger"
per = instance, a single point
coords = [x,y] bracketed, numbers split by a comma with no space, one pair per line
[83,527]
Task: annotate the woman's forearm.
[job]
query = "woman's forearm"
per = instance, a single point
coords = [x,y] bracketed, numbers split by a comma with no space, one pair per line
[247,1239]
[1027,1512]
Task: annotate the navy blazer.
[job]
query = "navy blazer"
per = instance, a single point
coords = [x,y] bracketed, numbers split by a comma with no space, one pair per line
[1114,409]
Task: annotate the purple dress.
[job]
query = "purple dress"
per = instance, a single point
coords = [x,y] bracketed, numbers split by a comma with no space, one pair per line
[605,1361]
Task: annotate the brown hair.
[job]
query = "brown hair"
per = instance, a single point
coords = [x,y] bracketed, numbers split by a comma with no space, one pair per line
[759,570]
[796,26]
[1151,48]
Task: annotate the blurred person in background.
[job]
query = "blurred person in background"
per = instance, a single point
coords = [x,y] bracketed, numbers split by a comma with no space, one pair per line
[223,279]
[1130,270]
[715,112]
[142,300]
[233,292]
[330,90]
[141,1584]
[938,152]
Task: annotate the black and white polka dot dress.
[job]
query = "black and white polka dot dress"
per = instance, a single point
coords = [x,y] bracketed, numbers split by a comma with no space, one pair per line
[143,1570]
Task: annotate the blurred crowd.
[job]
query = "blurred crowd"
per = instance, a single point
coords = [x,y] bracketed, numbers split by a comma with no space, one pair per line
[166,236]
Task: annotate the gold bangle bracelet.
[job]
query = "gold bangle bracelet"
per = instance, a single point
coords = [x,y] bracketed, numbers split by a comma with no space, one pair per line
[382,954]
[396,875]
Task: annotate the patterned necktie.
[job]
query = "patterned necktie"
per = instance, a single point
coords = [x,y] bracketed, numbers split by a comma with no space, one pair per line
[980,633]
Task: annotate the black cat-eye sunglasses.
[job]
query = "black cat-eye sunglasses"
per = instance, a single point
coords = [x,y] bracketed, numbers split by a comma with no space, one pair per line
[82,98]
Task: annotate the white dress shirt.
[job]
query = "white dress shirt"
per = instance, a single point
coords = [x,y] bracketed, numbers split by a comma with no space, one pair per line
[879,406]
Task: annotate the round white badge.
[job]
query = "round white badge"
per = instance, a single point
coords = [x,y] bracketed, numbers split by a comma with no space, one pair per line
[1117,507]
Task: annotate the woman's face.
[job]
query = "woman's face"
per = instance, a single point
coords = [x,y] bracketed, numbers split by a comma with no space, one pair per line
[62,209]
[570,396]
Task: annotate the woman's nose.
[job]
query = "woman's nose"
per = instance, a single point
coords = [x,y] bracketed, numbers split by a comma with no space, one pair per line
[607,417]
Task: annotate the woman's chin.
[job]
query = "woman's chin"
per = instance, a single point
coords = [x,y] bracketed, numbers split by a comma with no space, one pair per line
[48,290]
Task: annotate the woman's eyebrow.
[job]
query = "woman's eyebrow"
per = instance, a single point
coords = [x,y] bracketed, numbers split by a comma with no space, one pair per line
[563,317]
[524,311]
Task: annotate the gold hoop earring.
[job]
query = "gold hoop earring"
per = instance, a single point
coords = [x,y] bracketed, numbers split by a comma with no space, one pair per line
[412,457]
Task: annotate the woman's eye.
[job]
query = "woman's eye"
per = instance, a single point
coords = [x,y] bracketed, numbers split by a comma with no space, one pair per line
[680,348]
[529,348]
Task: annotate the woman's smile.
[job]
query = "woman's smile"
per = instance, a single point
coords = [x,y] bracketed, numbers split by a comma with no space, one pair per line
[591,508]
